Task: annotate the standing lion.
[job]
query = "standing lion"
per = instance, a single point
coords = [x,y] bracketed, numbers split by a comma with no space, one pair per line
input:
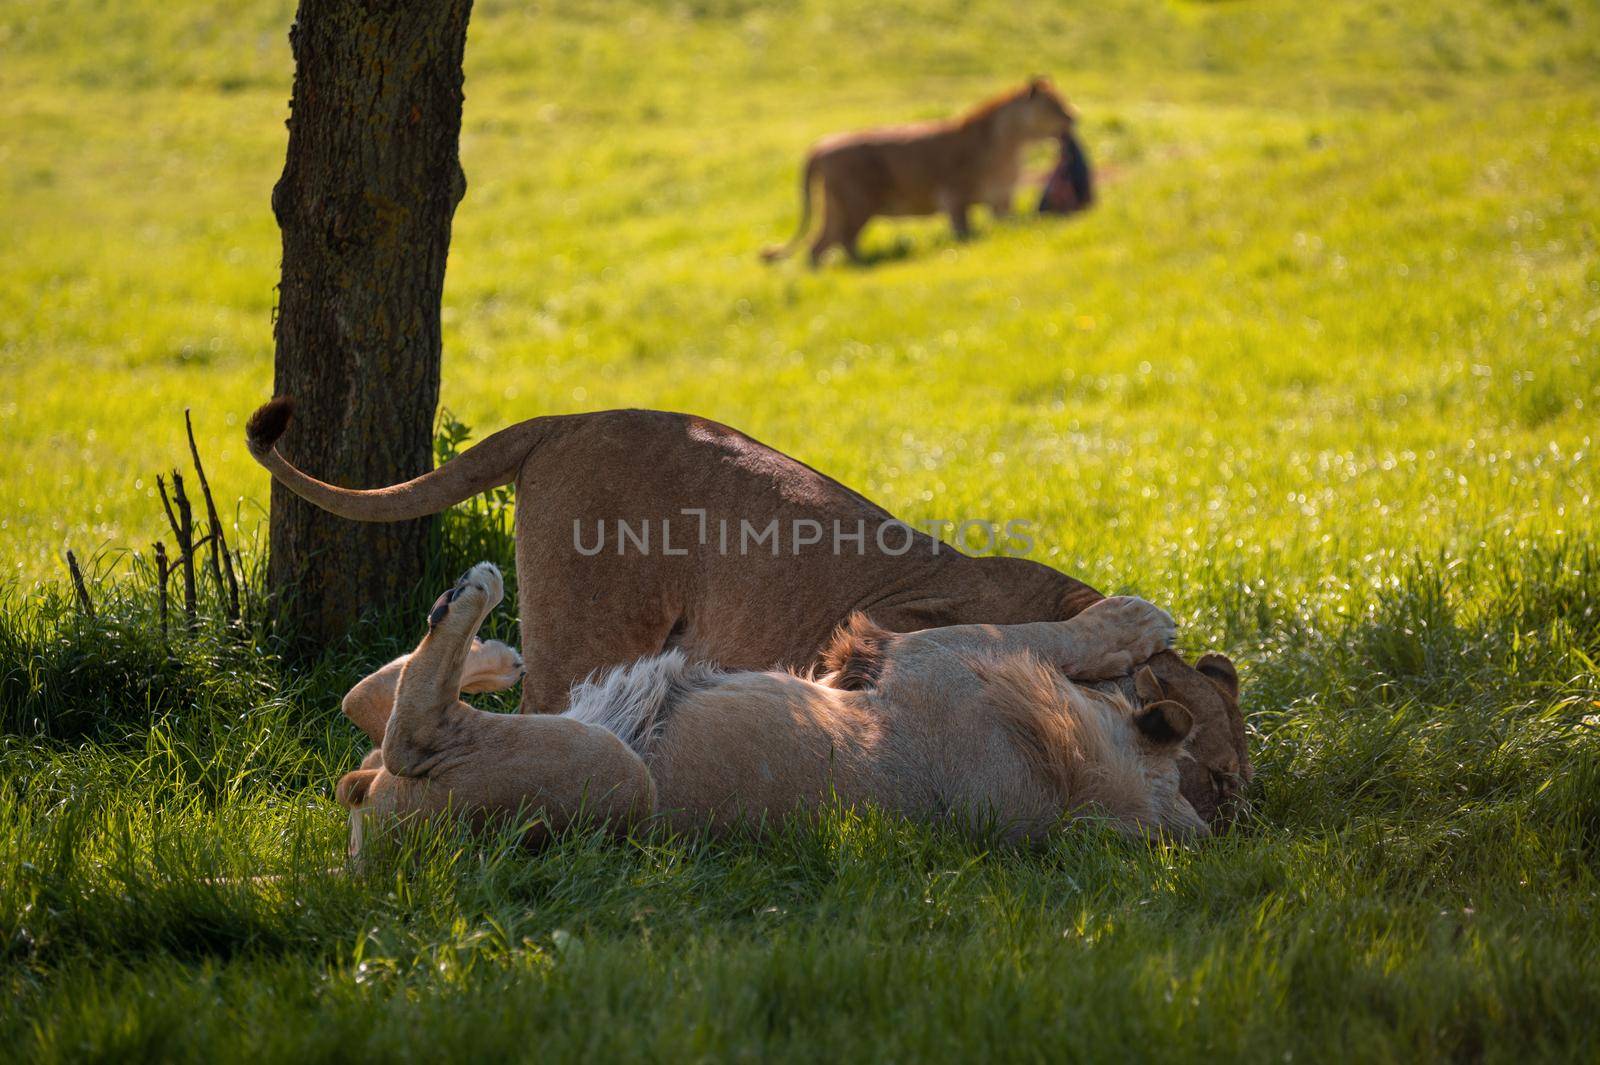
[925,168]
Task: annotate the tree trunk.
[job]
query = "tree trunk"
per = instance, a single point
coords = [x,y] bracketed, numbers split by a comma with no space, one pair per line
[368,191]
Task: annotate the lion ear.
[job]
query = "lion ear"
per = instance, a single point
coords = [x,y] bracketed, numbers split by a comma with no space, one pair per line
[1219,669]
[1037,84]
[1164,723]
[1147,686]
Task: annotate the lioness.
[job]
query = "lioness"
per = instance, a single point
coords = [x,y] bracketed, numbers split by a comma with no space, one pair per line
[975,722]
[925,168]
[701,586]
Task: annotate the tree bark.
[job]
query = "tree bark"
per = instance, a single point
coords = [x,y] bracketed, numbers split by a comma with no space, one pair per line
[369,188]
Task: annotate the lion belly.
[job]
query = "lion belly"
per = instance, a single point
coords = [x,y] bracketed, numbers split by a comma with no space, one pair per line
[764,745]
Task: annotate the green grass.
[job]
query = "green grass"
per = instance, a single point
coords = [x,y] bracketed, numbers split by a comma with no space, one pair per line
[1320,373]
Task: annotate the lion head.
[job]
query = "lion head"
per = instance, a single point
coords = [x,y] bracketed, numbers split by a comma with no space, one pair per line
[1042,111]
[1214,774]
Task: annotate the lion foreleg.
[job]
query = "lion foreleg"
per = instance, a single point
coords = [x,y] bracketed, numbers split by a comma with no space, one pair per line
[1104,641]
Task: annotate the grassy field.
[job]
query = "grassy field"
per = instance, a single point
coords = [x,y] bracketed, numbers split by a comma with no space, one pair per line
[1320,373]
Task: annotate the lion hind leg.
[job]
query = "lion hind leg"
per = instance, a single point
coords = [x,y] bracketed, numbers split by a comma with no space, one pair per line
[959,222]
[820,247]
[429,689]
[839,228]
[849,235]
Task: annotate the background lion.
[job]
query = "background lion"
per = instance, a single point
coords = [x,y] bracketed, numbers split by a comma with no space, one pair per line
[926,168]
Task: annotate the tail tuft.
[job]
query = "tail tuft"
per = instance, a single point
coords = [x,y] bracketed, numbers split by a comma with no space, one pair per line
[773,252]
[352,788]
[267,424]
[854,657]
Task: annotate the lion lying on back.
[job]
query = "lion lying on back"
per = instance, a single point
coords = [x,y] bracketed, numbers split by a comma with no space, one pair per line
[927,168]
[973,722]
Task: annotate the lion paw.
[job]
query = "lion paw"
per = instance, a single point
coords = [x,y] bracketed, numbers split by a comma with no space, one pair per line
[478,591]
[491,667]
[1126,630]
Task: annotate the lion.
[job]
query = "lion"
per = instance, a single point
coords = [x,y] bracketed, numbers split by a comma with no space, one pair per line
[925,168]
[697,583]
[979,725]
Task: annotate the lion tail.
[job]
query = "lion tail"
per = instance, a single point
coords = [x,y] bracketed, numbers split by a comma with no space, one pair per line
[772,253]
[489,464]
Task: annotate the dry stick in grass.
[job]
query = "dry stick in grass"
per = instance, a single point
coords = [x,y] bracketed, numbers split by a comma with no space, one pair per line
[183,528]
[163,571]
[77,583]
[221,559]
